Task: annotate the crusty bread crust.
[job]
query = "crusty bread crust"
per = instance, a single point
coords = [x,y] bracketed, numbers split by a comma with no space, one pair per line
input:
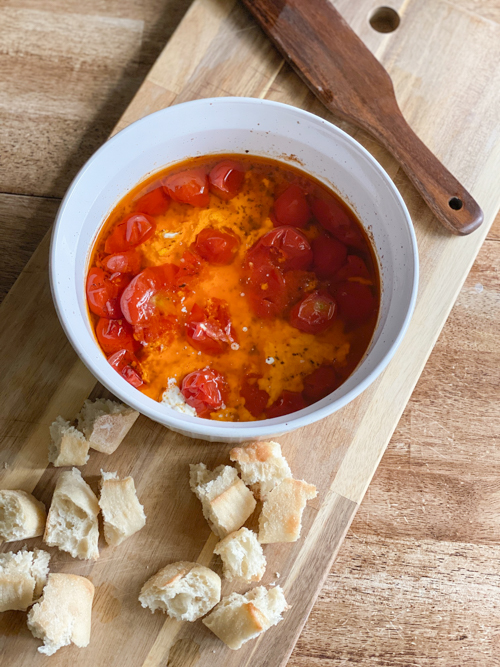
[281,516]
[63,615]
[262,466]
[105,423]
[22,516]
[22,578]
[185,591]
[123,514]
[72,521]
[68,446]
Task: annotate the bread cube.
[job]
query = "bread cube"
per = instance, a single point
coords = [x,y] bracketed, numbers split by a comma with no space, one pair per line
[281,516]
[262,466]
[22,578]
[122,512]
[72,521]
[68,446]
[242,556]
[63,615]
[226,501]
[105,423]
[22,516]
[185,591]
[239,618]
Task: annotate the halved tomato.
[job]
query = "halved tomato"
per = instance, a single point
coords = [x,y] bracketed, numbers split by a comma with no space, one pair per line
[154,202]
[314,313]
[126,363]
[286,247]
[215,246]
[288,402]
[137,301]
[291,207]
[131,232]
[189,187]
[128,261]
[205,390]
[103,293]
[209,329]
[255,399]
[318,384]
[226,179]
[333,217]
[267,291]
[189,266]
[329,256]
[356,302]
[115,335]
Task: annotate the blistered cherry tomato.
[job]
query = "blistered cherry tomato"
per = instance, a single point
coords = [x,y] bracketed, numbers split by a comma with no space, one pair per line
[155,202]
[226,179]
[125,363]
[155,328]
[204,390]
[353,268]
[329,256]
[291,207]
[356,302]
[314,314]
[332,216]
[103,294]
[321,382]
[286,247]
[123,262]
[189,266]
[189,187]
[131,232]
[209,330]
[115,335]
[267,291]
[137,301]
[255,399]
[216,246]
[288,402]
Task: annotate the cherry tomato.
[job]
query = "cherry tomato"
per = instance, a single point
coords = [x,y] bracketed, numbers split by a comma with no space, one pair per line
[115,335]
[215,246]
[314,313]
[103,295]
[356,302]
[255,399]
[267,291]
[289,401]
[131,232]
[291,207]
[204,390]
[155,329]
[123,262]
[209,330]
[353,268]
[299,283]
[189,187]
[123,362]
[137,301]
[155,202]
[321,382]
[332,216]
[226,179]
[189,266]
[286,247]
[329,256]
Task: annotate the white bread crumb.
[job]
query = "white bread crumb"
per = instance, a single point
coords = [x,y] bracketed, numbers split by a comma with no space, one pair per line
[22,578]
[68,446]
[281,516]
[262,466]
[123,514]
[22,516]
[242,556]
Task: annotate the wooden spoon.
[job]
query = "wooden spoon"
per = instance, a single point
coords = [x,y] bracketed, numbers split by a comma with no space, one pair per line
[350,81]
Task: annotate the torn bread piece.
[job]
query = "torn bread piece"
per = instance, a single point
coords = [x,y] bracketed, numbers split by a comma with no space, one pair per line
[22,578]
[239,618]
[262,466]
[226,501]
[122,512]
[72,521]
[21,516]
[185,591]
[242,556]
[63,615]
[281,516]
[68,446]
[105,423]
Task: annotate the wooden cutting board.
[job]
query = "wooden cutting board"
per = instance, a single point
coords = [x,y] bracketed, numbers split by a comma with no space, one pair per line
[444,63]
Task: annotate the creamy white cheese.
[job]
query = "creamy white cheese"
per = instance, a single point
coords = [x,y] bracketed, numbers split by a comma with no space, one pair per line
[174,399]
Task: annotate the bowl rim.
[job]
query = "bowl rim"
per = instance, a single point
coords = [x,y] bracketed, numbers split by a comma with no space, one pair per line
[206,427]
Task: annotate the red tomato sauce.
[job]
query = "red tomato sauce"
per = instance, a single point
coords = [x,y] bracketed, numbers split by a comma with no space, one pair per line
[245,280]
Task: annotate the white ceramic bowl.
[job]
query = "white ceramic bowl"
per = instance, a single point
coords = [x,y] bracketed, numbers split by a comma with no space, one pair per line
[235,125]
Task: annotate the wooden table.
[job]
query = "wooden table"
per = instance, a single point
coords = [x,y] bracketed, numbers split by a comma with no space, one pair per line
[416,579]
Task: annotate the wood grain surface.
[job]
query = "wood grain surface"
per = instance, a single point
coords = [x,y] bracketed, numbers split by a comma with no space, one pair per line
[416,581]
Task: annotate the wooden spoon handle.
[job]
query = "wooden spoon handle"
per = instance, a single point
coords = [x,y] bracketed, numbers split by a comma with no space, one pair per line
[450,202]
